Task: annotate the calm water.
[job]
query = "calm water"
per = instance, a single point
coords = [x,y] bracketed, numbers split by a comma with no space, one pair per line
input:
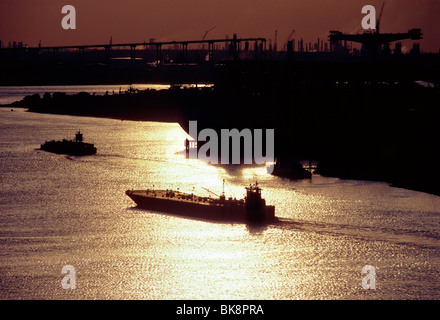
[57,210]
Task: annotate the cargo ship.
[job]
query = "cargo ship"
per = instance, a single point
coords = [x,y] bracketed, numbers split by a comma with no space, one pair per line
[76,147]
[252,208]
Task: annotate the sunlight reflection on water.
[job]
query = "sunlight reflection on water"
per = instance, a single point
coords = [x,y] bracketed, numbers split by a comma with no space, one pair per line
[57,211]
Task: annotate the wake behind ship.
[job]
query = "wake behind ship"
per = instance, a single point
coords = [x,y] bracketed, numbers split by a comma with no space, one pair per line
[252,208]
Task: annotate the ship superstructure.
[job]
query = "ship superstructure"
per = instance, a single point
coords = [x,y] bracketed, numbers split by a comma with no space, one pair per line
[76,147]
[252,208]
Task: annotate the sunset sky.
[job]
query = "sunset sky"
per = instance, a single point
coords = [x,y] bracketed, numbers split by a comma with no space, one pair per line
[30,21]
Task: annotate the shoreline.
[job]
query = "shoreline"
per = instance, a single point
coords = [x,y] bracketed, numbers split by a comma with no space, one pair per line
[399,168]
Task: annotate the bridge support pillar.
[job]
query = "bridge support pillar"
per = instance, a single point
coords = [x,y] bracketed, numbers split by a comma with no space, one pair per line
[159,54]
[133,52]
[107,55]
[211,52]
[185,52]
[56,55]
[81,55]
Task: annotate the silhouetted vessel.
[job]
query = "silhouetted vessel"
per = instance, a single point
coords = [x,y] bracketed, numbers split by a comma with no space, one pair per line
[252,208]
[74,147]
[289,169]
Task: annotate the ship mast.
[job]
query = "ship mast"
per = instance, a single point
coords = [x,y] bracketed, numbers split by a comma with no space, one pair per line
[222,196]
[210,191]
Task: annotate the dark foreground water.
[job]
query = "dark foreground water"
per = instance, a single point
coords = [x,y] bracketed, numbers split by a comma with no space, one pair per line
[57,210]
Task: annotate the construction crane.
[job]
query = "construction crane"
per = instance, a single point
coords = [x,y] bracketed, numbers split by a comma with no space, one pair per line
[206,33]
[379,18]
[372,42]
[290,35]
[289,38]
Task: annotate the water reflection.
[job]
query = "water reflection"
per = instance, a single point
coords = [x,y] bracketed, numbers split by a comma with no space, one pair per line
[257,228]
[254,228]
[58,211]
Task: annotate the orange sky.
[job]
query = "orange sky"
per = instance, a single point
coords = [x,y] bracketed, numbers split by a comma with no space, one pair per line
[30,21]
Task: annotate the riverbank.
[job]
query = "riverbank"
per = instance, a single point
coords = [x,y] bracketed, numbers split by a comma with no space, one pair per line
[140,105]
[411,173]
[392,140]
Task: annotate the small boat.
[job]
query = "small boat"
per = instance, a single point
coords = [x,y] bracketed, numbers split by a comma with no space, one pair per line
[76,147]
[252,208]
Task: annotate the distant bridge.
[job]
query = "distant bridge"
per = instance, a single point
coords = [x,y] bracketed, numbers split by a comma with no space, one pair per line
[234,42]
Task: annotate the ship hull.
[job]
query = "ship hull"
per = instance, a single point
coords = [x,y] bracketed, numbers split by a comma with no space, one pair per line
[69,148]
[202,211]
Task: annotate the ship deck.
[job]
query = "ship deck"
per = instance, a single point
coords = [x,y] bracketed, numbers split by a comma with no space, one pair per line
[205,208]
[185,197]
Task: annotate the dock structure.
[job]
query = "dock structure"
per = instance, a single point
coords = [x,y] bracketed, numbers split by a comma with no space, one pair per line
[373,43]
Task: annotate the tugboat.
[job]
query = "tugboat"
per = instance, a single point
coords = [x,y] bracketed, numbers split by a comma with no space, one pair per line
[252,208]
[76,147]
